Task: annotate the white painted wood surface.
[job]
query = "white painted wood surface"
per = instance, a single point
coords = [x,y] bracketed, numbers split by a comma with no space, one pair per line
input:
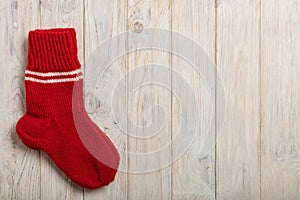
[113,19]
[255,47]
[193,175]
[280,76]
[238,62]
[144,116]
[20,166]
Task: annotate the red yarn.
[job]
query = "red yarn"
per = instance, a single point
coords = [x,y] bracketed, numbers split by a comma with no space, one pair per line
[55,120]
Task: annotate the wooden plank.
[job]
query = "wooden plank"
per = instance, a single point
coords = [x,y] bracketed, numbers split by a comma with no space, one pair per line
[280,94]
[237,161]
[63,13]
[105,20]
[26,175]
[193,175]
[149,101]
[20,166]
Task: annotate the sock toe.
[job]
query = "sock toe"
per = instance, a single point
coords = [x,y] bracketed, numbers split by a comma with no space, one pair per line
[106,174]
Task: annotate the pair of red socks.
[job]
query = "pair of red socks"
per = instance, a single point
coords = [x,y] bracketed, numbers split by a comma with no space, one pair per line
[55,120]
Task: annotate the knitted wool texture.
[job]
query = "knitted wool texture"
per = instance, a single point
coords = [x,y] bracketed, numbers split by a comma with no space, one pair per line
[55,120]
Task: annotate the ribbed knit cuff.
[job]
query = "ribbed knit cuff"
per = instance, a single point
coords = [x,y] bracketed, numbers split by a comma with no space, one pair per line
[52,50]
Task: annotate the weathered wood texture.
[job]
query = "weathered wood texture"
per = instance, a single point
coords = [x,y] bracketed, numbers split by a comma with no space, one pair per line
[146,99]
[280,100]
[148,103]
[193,175]
[103,21]
[238,63]
[20,174]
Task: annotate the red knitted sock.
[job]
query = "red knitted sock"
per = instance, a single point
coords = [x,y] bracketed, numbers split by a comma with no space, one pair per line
[56,121]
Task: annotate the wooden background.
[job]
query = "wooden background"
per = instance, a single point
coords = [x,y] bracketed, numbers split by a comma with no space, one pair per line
[256,48]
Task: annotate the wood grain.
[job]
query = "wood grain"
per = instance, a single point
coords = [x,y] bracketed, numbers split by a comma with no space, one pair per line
[237,161]
[104,21]
[280,45]
[62,13]
[193,175]
[149,103]
[19,165]
[142,98]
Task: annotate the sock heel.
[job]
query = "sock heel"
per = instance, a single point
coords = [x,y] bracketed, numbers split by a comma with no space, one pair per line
[30,129]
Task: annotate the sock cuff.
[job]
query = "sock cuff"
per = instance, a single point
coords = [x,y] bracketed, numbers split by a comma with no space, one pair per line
[52,50]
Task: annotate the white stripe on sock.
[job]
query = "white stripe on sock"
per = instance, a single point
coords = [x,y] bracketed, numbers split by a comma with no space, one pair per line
[53,80]
[47,74]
